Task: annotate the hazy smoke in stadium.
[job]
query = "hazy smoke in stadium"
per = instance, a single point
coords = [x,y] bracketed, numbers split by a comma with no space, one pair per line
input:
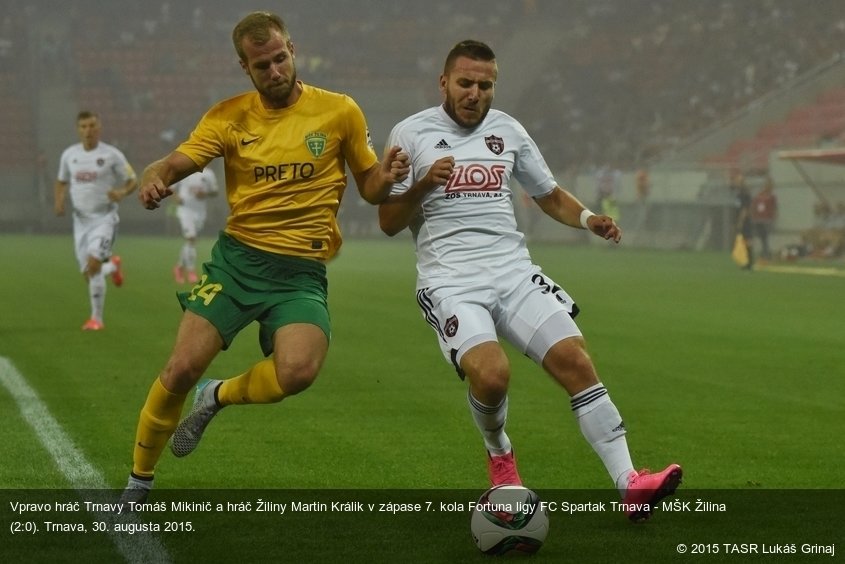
[627,83]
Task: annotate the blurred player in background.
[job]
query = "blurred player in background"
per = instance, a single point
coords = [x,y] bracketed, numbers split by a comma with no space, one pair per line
[476,280]
[743,226]
[608,179]
[285,148]
[192,193]
[99,176]
[764,213]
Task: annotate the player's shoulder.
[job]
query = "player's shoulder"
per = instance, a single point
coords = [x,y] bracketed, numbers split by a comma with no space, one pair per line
[312,91]
[428,117]
[502,119]
[229,109]
[322,98]
[71,150]
[112,150]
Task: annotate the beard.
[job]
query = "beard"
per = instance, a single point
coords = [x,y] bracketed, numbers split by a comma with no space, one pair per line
[278,93]
[471,121]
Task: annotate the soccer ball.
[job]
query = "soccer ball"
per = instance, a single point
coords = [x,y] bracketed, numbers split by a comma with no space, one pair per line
[509,519]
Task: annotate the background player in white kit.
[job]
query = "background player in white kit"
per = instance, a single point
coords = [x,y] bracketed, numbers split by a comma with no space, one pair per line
[99,176]
[192,193]
[476,280]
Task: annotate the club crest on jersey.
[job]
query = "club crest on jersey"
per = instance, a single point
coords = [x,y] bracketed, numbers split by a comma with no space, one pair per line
[316,142]
[495,144]
[101,162]
[451,327]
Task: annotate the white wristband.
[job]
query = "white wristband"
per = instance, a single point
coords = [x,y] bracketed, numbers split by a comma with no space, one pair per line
[585,215]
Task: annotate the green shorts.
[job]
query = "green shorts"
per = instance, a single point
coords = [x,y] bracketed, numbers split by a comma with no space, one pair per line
[242,284]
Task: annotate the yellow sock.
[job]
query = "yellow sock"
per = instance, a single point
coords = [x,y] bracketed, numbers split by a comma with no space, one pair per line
[256,385]
[158,419]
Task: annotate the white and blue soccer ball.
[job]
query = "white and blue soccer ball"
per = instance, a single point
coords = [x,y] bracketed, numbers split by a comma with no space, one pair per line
[509,519]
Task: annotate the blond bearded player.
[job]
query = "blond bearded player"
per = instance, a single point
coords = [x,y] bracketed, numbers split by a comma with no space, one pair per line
[285,147]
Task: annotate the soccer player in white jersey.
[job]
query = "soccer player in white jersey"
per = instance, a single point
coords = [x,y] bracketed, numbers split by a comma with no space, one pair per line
[476,281]
[192,193]
[99,176]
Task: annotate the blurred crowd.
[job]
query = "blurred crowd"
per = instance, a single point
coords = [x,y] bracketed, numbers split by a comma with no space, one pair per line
[629,80]
[637,78]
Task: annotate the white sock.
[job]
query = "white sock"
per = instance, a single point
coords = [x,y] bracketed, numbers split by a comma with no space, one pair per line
[604,429]
[138,483]
[97,295]
[490,421]
[188,257]
[108,268]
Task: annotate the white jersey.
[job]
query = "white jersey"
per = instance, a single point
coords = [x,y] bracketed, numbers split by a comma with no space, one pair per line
[194,190]
[467,229]
[91,175]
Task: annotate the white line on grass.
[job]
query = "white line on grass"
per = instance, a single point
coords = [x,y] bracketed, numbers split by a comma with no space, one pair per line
[81,474]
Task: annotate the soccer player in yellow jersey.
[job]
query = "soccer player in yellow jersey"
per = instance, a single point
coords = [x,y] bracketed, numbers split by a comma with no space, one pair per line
[285,147]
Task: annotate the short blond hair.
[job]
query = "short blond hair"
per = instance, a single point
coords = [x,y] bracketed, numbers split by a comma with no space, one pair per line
[256,26]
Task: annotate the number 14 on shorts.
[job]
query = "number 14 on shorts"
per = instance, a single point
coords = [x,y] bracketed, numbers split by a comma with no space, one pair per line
[204,291]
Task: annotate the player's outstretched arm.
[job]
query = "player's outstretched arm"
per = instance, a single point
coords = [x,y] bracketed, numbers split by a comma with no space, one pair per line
[375,183]
[159,176]
[562,206]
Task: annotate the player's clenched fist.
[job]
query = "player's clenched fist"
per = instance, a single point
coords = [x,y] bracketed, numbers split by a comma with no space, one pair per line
[153,192]
[398,164]
[440,171]
[604,226]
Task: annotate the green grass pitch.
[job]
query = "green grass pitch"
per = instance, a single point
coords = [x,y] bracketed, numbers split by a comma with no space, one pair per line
[738,376]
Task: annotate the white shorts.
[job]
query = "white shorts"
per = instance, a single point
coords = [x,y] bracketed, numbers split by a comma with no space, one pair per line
[526,308]
[94,237]
[191,221]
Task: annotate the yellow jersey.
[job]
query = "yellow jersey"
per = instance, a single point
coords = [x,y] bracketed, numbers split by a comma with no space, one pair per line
[285,169]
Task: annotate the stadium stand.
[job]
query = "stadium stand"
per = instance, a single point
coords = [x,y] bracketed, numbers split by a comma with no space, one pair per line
[627,83]
[632,79]
[637,79]
[806,126]
[17,144]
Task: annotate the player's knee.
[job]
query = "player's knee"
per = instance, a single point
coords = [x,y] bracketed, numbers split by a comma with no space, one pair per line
[490,384]
[93,267]
[296,376]
[570,364]
[488,371]
[180,375]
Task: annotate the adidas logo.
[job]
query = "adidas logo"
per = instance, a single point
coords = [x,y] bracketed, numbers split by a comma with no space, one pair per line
[618,428]
[442,144]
